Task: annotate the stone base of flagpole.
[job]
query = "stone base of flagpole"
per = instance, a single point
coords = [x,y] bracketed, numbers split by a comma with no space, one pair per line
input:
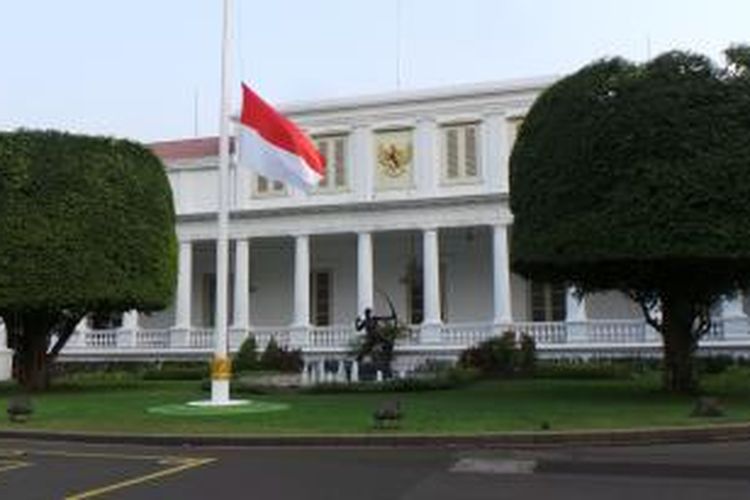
[220,396]
[221,374]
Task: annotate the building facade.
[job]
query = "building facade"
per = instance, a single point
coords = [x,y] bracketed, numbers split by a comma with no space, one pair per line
[413,212]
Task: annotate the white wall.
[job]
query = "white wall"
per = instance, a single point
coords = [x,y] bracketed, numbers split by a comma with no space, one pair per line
[611,305]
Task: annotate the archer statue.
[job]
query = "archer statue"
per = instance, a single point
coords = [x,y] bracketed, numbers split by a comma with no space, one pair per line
[379,339]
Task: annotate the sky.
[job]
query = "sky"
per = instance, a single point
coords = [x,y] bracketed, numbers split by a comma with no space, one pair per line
[150,69]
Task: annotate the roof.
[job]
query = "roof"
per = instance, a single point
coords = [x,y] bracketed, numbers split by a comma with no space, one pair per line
[182,149]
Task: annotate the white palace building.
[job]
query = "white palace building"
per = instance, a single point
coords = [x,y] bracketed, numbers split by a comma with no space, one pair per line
[413,208]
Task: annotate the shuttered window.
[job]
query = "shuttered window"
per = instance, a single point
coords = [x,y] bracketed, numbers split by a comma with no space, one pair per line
[321,297]
[547,302]
[460,152]
[333,148]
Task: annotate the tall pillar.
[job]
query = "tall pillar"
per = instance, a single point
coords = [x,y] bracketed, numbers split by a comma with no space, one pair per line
[431,284]
[127,335]
[575,317]
[364,272]
[130,320]
[734,319]
[6,355]
[302,281]
[241,284]
[241,319]
[180,334]
[502,314]
[183,312]
[575,309]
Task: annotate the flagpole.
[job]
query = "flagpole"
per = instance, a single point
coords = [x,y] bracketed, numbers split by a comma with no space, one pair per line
[221,366]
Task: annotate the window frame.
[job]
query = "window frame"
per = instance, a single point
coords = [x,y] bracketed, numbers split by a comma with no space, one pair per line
[461,127]
[331,178]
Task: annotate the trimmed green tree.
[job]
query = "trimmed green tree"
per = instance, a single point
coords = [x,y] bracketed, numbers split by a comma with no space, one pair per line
[86,226]
[637,178]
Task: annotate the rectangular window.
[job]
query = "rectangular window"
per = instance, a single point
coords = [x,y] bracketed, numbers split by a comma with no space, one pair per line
[321,297]
[333,148]
[461,152]
[547,302]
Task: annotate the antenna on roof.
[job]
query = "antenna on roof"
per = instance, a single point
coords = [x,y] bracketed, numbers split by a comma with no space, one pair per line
[195,112]
[398,44]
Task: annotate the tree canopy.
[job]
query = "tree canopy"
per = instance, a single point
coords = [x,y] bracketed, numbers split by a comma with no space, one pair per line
[636,177]
[86,225]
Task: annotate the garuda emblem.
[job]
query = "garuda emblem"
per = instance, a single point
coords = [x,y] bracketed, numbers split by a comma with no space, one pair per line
[393,159]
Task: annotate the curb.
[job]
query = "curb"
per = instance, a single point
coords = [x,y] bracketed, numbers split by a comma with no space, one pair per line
[610,437]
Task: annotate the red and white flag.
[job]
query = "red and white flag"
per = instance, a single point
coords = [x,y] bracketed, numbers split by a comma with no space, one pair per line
[274,147]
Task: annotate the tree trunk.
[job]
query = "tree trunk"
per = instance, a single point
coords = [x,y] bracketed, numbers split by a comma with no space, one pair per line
[33,372]
[30,332]
[679,343]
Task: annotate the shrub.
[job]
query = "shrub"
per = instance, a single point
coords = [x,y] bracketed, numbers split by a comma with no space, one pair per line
[527,355]
[281,359]
[246,358]
[498,356]
[713,365]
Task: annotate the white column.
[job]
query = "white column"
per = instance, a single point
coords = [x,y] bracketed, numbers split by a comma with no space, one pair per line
[241,319]
[426,156]
[364,272]
[362,164]
[494,162]
[501,276]
[6,355]
[575,309]
[183,318]
[734,319]
[302,281]
[575,318]
[130,320]
[127,336]
[241,284]
[732,308]
[431,275]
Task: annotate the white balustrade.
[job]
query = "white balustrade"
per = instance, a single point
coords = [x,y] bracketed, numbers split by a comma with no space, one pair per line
[263,335]
[152,339]
[201,338]
[331,336]
[543,332]
[101,339]
[616,331]
[598,334]
[465,334]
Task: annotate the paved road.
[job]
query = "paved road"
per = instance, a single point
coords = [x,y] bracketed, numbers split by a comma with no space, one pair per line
[35,470]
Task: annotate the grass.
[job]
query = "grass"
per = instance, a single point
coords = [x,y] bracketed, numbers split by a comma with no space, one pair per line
[487,406]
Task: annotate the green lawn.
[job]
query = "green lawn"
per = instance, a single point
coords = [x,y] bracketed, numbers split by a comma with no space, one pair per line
[489,406]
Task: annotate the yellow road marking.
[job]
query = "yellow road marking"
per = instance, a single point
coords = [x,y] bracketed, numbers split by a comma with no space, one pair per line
[189,464]
[180,464]
[6,465]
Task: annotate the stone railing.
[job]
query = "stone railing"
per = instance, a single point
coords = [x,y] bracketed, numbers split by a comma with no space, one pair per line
[593,336]
[543,332]
[331,336]
[616,332]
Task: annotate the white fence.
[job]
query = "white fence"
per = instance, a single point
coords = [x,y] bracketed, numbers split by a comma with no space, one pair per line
[593,337]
